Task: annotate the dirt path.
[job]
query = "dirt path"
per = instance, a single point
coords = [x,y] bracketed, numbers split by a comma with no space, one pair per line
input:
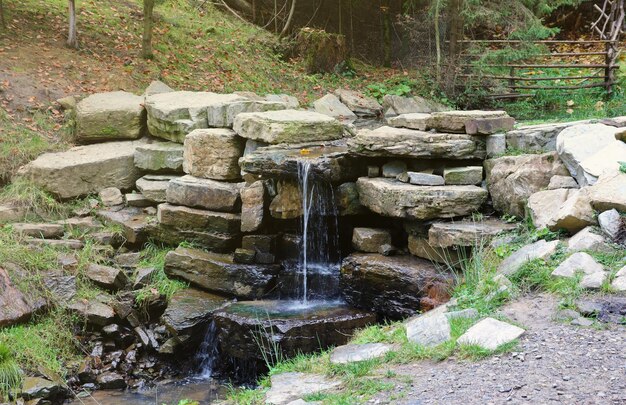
[555,363]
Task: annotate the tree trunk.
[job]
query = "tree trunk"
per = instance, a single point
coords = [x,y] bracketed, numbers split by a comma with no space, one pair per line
[438,39]
[2,23]
[241,5]
[72,36]
[456,27]
[386,15]
[289,19]
[146,44]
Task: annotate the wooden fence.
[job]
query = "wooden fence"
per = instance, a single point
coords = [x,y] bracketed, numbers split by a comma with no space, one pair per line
[520,78]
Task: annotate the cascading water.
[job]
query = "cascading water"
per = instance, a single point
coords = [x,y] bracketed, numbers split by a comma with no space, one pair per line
[208,353]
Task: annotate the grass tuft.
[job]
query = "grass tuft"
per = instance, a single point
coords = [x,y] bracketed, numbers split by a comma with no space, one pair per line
[10,372]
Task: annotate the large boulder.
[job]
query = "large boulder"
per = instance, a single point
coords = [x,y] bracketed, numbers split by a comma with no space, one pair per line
[110,117]
[393,286]
[578,144]
[204,193]
[16,306]
[402,142]
[511,180]
[219,274]
[173,115]
[395,199]
[85,170]
[190,311]
[160,157]
[213,154]
[537,138]
[287,126]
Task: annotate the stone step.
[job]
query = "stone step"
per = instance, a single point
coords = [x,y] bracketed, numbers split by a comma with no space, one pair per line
[154,187]
[182,217]
[392,198]
[204,193]
[466,233]
[409,143]
[213,154]
[160,157]
[45,231]
[287,126]
[85,170]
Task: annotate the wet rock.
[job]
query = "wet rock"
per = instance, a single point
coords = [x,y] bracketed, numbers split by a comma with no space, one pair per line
[425,179]
[157,87]
[218,273]
[609,192]
[428,330]
[329,161]
[407,105]
[259,243]
[574,214]
[361,105]
[543,206]
[396,199]
[610,223]
[143,277]
[578,262]
[246,328]
[461,176]
[558,182]
[252,206]
[409,143]
[287,387]
[244,256]
[16,306]
[93,312]
[347,200]
[154,187]
[395,286]
[175,114]
[110,116]
[44,231]
[213,154]
[373,171]
[394,168]
[110,381]
[85,170]
[466,233]
[287,126]
[490,334]
[62,288]
[457,121]
[107,277]
[369,240]
[331,105]
[190,311]
[353,353]
[587,239]
[111,196]
[538,250]
[160,157]
[204,193]
[40,388]
[511,180]
[579,145]
[288,202]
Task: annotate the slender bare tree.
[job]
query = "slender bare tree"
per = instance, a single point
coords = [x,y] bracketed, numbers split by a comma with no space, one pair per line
[2,23]
[289,19]
[148,22]
[72,36]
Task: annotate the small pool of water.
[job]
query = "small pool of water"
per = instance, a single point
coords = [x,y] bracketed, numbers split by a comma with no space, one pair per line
[203,391]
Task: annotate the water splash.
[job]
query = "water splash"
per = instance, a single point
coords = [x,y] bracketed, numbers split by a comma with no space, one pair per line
[208,352]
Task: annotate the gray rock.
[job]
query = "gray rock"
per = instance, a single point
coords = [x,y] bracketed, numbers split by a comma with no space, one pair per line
[361,105]
[538,138]
[111,196]
[461,176]
[288,201]
[253,203]
[496,145]
[16,306]
[291,101]
[557,182]
[580,321]
[160,157]
[144,276]
[110,117]
[589,307]
[456,121]
[70,244]
[157,87]
[85,170]
[93,312]
[287,126]
[594,281]
[373,171]
[587,239]
[369,240]
[395,199]
[186,218]
[578,262]
[393,169]
[575,213]
[353,353]
[213,154]
[490,334]
[11,213]
[489,126]
[107,277]
[466,233]
[449,257]
[154,187]
[543,206]
[409,143]
[619,283]
[223,115]
[425,179]
[63,288]
[609,192]
[138,200]
[331,105]
[611,223]
[44,231]
[428,330]
[110,381]
[204,193]
[418,121]
[244,256]
[190,311]
[37,388]
[463,314]
[288,387]
[347,200]
[538,250]
[406,105]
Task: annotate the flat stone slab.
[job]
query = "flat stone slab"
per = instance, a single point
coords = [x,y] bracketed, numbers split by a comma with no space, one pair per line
[538,250]
[110,116]
[425,179]
[428,330]
[85,170]
[44,231]
[490,334]
[333,107]
[154,187]
[223,115]
[457,121]
[396,199]
[417,121]
[182,217]
[361,105]
[578,262]
[353,353]
[466,233]
[409,143]
[213,154]
[160,157]
[173,115]
[218,273]
[370,240]
[330,161]
[288,387]
[462,176]
[287,126]
[190,311]
[204,193]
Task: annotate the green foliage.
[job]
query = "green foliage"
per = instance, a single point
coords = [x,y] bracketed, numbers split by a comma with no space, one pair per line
[188,402]
[153,255]
[622,167]
[10,372]
[399,88]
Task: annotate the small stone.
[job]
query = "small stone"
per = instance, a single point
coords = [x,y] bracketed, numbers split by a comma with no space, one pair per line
[361,105]
[95,313]
[111,381]
[403,177]
[394,168]
[578,262]
[373,171]
[588,307]
[463,175]
[464,313]
[138,200]
[44,231]
[425,179]
[160,157]
[587,239]
[154,187]
[11,213]
[538,250]
[143,276]
[619,283]
[566,315]
[107,277]
[359,352]
[594,281]
[157,87]
[111,196]
[428,330]
[558,181]
[574,214]
[244,256]
[287,387]
[370,240]
[580,321]
[610,222]
[490,334]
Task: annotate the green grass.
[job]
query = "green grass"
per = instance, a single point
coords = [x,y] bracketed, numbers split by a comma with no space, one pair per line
[10,372]
[153,255]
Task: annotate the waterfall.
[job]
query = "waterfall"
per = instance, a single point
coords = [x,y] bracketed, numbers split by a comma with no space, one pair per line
[208,352]
[319,258]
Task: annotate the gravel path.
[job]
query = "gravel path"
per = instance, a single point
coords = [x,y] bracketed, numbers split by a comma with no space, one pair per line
[555,363]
